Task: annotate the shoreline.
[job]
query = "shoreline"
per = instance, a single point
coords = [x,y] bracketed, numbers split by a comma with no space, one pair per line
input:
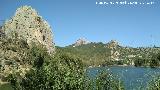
[123,66]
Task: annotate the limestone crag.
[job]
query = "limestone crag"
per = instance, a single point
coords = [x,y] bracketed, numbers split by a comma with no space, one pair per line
[114,53]
[80,41]
[112,44]
[29,25]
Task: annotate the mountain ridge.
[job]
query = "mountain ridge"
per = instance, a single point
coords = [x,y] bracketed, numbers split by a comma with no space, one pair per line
[99,53]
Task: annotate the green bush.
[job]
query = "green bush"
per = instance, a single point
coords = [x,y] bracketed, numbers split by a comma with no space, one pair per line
[65,72]
[62,72]
[139,62]
[155,61]
[38,55]
[154,84]
[106,81]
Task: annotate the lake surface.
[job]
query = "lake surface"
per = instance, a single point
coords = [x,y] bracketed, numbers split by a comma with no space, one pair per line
[132,77]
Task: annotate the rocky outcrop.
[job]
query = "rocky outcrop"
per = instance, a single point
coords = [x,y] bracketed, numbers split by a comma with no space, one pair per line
[112,44]
[114,52]
[16,37]
[80,41]
[27,24]
[115,55]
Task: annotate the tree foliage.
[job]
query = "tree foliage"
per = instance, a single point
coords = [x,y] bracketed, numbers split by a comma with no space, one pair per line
[154,84]
[106,81]
[61,72]
[155,61]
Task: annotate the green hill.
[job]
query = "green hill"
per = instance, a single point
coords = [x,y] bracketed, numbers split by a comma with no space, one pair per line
[95,54]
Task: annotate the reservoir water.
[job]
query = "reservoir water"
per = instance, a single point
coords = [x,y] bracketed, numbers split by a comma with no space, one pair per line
[132,77]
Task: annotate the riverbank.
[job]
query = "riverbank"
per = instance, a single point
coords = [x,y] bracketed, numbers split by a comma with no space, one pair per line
[125,65]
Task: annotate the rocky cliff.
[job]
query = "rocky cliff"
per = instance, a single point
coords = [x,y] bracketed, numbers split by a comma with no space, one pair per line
[27,24]
[18,53]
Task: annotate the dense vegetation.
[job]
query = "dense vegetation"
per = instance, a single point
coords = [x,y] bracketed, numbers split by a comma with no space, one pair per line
[63,70]
[154,61]
[95,54]
[46,71]
[91,56]
[154,84]
[106,81]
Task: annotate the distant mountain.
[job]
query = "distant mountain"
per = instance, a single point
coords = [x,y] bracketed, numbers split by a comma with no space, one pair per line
[80,42]
[95,54]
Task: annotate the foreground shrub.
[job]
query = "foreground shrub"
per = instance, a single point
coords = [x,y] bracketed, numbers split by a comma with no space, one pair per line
[65,73]
[61,72]
[154,84]
[106,81]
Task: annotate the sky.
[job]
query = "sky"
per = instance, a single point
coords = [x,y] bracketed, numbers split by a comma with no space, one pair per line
[130,25]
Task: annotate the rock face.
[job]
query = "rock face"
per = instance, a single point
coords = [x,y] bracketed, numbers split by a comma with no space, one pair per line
[28,24]
[112,44]
[80,41]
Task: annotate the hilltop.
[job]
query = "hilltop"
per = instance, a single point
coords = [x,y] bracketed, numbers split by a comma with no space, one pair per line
[80,41]
[111,53]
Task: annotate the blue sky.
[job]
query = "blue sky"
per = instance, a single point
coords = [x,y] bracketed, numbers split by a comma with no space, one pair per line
[131,25]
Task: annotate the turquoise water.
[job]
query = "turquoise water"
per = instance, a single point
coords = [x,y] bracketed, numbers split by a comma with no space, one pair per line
[134,78]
